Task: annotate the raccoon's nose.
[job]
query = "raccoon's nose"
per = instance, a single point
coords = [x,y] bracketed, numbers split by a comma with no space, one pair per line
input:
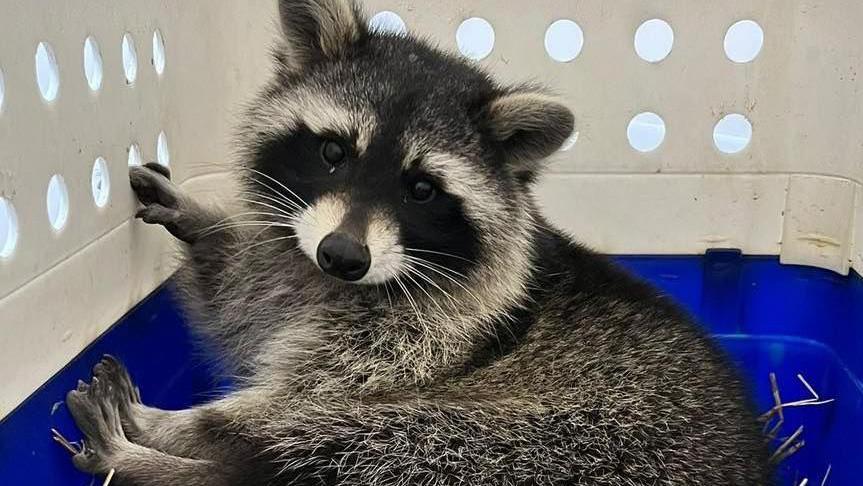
[342,256]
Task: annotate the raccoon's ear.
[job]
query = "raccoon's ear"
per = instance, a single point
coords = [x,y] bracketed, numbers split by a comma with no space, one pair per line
[527,126]
[316,30]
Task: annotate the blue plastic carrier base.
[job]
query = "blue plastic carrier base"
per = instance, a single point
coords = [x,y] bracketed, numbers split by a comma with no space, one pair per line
[786,320]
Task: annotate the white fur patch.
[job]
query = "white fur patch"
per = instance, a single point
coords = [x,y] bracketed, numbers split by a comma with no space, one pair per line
[472,186]
[382,238]
[460,178]
[318,221]
[319,111]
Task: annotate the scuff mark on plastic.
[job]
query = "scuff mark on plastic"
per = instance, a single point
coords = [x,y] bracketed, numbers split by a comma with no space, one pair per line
[714,239]
[820,240]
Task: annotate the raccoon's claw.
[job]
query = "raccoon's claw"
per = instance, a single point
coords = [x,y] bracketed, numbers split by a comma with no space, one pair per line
[173,220]
[158,214]
[97,415]
[110,370]
[124,393]
[161,169]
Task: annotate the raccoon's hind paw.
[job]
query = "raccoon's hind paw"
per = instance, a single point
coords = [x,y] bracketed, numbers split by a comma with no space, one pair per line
[97,415]
[123,391]
[110,370]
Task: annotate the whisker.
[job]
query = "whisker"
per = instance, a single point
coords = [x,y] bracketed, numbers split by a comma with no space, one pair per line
[276,197]
[283,214]
[429,266]
[245,224]
[441,253]
[409,297]
[431,282]
[387,289]
[437,265]
[280,184]
[247,221]
[280,199]
[237,217]
[409,275]
[262,231]
[272,240]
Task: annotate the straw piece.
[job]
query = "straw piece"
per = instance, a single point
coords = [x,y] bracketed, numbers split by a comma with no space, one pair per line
[69,446]
[789,447]
[808,386]
[109,478]
[826,474]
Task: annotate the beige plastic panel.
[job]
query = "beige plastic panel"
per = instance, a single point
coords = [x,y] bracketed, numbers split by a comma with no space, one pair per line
[802,95]
[60,290]
[795,190]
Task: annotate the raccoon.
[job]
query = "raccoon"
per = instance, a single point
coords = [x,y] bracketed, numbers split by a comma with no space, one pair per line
[396,310]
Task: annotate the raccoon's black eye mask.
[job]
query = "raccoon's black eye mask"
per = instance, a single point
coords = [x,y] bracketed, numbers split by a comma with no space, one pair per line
[420,188]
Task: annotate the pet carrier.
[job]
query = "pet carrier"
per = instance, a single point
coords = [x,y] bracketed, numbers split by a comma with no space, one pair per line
[717,153]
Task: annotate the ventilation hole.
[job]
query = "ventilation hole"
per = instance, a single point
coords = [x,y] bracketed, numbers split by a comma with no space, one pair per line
[743,41]
[163,156]
[569,142]
[57,200]
[475,38]
[388,22]
[646,132]
[100,182]
[732,134]
[158,52]
[654,40]
[47,72]
[134,155]
[564,40]
[2,90]
[130,58]
[8,228]
[92,63]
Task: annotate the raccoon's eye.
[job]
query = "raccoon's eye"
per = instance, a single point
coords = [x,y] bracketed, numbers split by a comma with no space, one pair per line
[423,192]
[333,153]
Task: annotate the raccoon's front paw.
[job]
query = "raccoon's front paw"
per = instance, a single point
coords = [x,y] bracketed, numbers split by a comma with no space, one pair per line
[152,184]
[97,415]
[163,202]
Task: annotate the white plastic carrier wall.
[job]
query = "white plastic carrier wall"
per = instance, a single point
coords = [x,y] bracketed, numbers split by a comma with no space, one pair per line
[733,124]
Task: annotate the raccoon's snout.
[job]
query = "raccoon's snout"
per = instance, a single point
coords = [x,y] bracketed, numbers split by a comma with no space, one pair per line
[342,256]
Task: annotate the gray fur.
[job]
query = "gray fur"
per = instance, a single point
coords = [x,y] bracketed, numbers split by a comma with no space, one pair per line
[530,124]
[540,364]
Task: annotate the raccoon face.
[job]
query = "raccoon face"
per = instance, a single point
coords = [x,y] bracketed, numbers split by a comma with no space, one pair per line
[388,160]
